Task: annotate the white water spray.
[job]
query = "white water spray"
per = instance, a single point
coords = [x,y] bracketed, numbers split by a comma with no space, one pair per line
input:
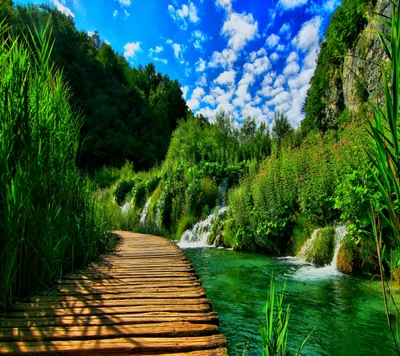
[143,214]
[308,271]
[198,234]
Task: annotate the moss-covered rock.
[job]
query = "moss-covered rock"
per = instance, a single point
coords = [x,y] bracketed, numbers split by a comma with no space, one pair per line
[322,249]
[357,258]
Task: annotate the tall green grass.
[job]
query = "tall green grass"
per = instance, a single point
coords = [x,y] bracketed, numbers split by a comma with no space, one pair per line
[48,219]
[384,155]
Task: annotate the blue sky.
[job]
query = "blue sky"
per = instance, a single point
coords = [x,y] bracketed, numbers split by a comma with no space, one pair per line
[246,57]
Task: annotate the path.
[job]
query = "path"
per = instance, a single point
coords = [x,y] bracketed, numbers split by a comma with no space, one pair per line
[144,299]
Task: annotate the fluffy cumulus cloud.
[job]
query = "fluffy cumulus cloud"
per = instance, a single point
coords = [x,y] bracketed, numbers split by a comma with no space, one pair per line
[272,41]
[240,29]
[291,4]
[202,80]
[224,4]
[131,48]
[185,90]
[308,36]
[198,38]
[185,15]
[224,59]
[200,65]
[274,57]
[162,60]
[291,68]
[226,78]
[194,101]
[62,8]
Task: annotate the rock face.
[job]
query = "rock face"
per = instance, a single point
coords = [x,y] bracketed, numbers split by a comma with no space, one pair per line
[345,79]
[363,61]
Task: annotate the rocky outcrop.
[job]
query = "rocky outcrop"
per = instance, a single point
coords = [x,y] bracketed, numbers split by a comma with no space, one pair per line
[362,64]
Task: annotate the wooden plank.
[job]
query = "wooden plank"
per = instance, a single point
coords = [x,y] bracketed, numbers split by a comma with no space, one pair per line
[108,310]
[133,345]
[106,331]
[115,319]
[63,304]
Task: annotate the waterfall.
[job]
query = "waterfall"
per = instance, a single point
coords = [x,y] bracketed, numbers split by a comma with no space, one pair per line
[340,233]
[126,207]
[307,245]
[311,272]
[222,189]
[143,214]
[198,234]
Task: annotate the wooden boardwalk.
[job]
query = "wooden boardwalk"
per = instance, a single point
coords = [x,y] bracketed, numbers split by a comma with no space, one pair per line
[144,299]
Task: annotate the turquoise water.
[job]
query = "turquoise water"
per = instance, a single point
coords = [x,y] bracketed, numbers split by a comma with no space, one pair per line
[345,312]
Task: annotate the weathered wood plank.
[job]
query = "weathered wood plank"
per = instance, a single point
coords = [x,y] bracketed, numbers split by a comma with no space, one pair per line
[143,299]
[132,345]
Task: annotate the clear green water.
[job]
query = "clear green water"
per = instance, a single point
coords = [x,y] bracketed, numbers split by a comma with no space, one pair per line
[346,312]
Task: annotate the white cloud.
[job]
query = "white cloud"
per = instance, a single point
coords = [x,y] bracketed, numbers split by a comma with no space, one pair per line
[272,41]
[131,48]
[293,56]
[274,57]
[225,59]
[127,14]
[125,2]
[184,89]
[158,49]
[202,80]
[193,104]
[291,68]
[209,99]
[280,48]
[308,35]
[178,50]
[240,29]
[251,111]
[200,65]
[291,4]
[62,8]
[285,28]
[259,53]
[226,78]
[194,101]
[224,4]
[198,93]
[185,15]
[160,60]
[115,13]
[280,81]
[198,38]
[206,112]
[259,66]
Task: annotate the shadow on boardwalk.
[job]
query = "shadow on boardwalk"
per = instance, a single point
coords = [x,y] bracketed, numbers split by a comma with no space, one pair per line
[143,299]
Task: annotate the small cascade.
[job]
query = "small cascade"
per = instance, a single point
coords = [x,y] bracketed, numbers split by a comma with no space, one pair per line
[311,272]
[126,207]
[198,234]
[303,252]
[143,214]
[340,233]
[222,189]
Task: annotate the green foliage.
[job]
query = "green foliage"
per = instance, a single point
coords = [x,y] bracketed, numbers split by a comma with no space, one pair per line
[49,221]
[124,187]
[130,113]
[274,332]
[185,223]
[321,251]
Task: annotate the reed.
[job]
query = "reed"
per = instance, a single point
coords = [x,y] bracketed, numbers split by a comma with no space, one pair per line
[48,219]
[384,155]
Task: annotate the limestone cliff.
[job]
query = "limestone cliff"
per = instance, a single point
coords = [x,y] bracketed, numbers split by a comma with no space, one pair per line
[346,60]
